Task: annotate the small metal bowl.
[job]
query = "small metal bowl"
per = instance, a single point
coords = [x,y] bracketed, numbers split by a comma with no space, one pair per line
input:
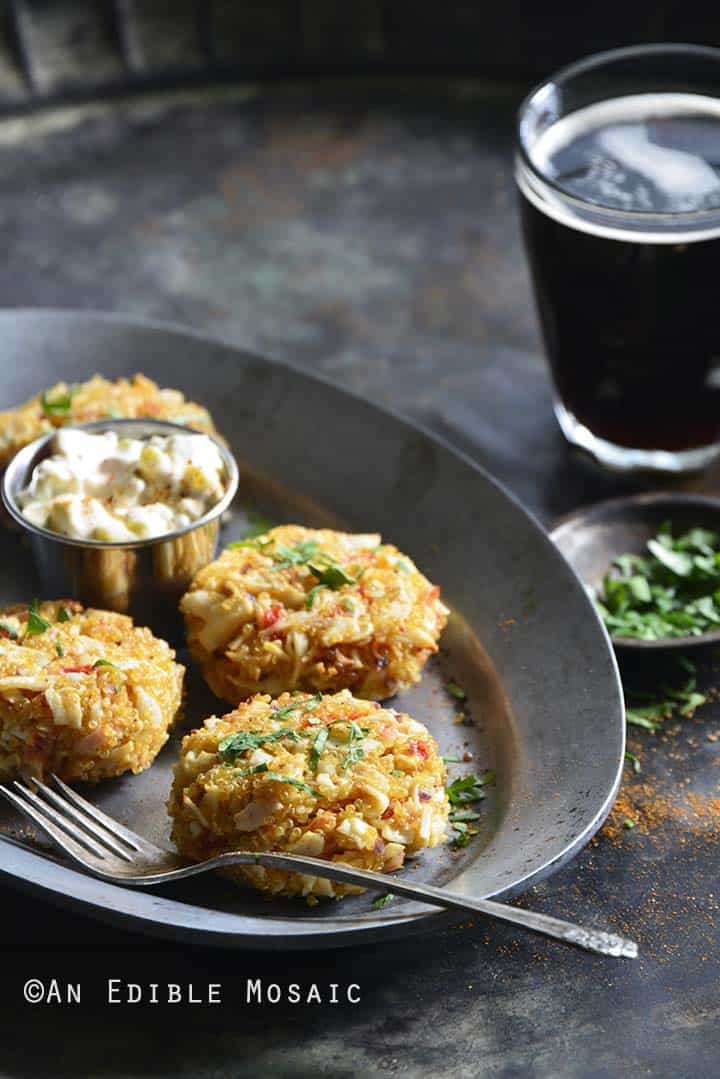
[591,538]
[144,579]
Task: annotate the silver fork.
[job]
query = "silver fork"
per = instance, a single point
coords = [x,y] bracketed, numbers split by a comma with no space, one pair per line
[108,850]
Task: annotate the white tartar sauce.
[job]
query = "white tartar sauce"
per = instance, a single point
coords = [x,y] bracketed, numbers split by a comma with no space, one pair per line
[110,488]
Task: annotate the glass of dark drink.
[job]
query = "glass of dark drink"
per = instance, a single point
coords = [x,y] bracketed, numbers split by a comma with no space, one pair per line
[618,166]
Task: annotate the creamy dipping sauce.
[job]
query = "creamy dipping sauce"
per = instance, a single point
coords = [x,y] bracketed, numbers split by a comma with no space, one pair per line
[114,489]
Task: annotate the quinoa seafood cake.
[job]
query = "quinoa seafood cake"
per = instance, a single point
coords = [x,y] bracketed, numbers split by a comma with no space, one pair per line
[83,693]
[96,399]
[331,776]
[298,608]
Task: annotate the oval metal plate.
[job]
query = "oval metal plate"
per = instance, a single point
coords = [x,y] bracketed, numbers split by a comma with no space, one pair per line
[544,704]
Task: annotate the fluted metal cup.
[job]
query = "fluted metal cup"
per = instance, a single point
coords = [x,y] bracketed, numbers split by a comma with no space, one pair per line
[145,578]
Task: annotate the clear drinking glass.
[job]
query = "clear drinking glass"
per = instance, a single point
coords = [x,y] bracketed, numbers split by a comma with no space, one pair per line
[618,167]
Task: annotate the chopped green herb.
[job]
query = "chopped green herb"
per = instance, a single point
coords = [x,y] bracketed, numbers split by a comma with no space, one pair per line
[462,836]
[64,615]
[255,770]
[317,747]
[629,824]
[293,782]
[299,555]
[403,566]
[382,901]
[59,649]
[635,718]
[57,405]
[466,789]
[235,744]
[633,759]
[397,772]
[453,760]
[455,690]
[106,663]
[36,624]
[672,591]
[8,631]
[355,752]
[347,605]
[332,575]
[257,543]
[456,816]
[303,706]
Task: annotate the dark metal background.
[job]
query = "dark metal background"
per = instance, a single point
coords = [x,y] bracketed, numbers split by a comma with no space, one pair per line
[63,49]
[367,231]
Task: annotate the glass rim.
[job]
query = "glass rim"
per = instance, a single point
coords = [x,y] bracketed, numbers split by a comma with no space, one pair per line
[580,67]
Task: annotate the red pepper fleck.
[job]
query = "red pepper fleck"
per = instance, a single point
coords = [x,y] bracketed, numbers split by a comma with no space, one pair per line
[434,592]
[4,633]
[389,812]
[271,615]
[85,669]
[419,749]
[424,796]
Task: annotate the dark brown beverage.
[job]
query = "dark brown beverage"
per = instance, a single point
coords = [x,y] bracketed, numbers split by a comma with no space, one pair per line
[620,206]
[632,332]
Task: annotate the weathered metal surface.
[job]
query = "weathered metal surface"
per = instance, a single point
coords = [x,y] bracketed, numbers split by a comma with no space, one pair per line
[368,233]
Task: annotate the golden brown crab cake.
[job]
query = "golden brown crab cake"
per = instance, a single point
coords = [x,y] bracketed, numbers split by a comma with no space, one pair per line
[308,609]
[96,399]
[83,693]
[331,776]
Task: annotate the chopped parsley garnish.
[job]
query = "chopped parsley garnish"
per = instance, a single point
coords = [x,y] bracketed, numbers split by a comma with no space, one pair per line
[355,752]
[8,631]
[255,770]
[299,555]
[469,788]
[456,816]
[382,901]
[633,760]
[257,543]
[303,706]
[56,406]
[235,744]
[279,777]
[64,615]
[455,690]
[332,575]
[629,824]
[665,701]
[317,747]
[59,649]
[672,591]
[397,772]
[453,760]
[462,836]
[106,663]
[36,624]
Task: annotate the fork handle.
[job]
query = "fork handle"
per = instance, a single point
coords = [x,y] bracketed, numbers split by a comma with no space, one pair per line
[592,940]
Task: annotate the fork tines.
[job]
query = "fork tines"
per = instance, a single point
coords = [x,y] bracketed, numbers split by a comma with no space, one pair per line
[71,820]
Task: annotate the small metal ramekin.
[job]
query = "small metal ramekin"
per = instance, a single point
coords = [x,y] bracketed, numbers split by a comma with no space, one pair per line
[144,579]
